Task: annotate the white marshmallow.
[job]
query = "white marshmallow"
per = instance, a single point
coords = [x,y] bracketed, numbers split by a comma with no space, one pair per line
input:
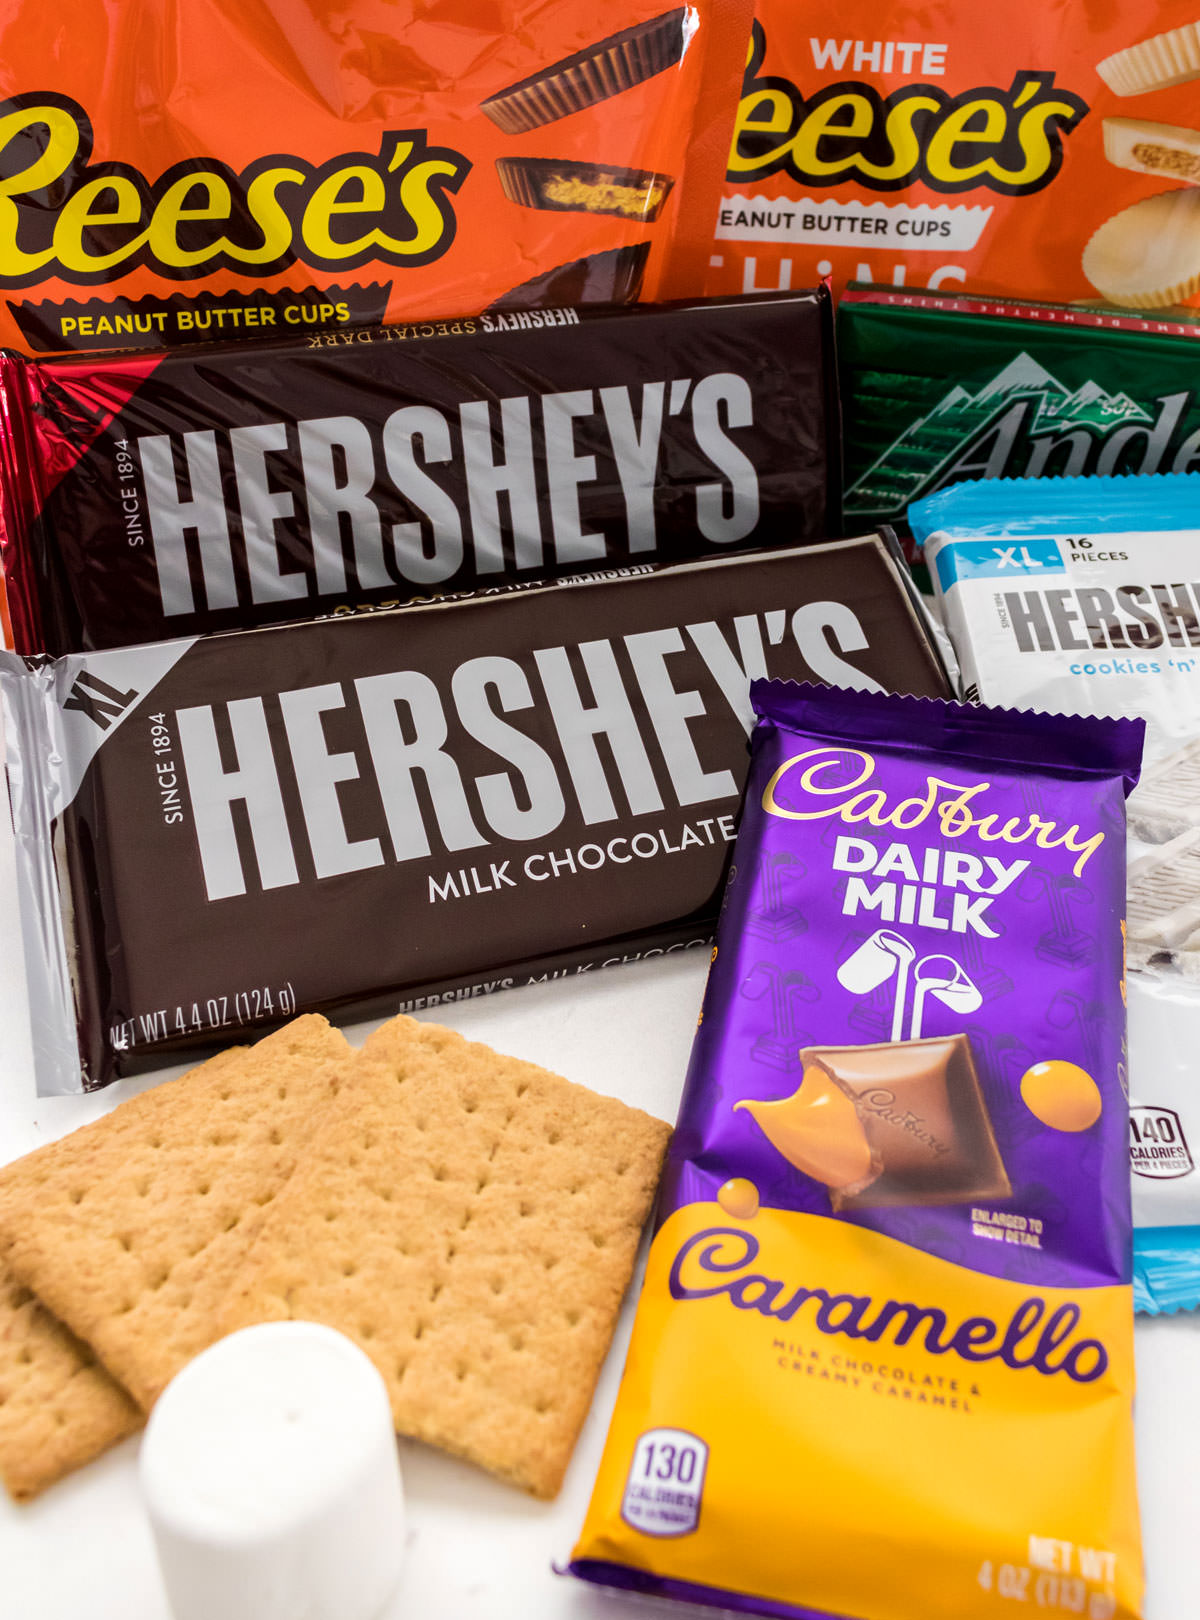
[270,1473]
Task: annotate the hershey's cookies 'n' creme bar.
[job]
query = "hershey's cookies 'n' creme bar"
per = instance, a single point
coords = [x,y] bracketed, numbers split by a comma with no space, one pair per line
[1166,801]
[1164,895]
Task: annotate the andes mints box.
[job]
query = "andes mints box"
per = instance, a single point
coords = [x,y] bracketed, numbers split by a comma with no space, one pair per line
[213,488]
[941,388]
[391,809]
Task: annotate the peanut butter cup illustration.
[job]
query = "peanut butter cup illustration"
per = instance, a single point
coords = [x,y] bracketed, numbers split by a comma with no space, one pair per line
[587,188]
[593,74]
[1155,63]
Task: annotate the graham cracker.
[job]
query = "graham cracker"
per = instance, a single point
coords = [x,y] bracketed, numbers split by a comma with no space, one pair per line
[58,1408]
[471,1221]
[131,1229]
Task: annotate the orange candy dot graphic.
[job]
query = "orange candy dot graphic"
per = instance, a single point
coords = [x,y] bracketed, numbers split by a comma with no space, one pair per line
[739,1198]
[1061,1095]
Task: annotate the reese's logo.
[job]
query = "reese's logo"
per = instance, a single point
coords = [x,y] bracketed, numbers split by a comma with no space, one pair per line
[1007,140]
[63,216]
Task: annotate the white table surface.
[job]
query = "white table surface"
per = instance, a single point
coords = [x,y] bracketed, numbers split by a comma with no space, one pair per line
[479,1550]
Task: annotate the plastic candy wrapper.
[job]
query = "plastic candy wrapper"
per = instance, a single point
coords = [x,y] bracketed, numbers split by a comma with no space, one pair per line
[939,387]
[892,1251]
[175,173]
[1049,151]
[1078,596]
[382,812]
[154,495]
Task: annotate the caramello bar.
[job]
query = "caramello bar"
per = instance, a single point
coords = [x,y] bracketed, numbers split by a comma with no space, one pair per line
[892,1251]
[401,808]
[943,388]
[155,495]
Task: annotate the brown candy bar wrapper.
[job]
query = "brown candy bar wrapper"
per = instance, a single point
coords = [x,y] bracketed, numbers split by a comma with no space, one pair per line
[158,495]
[393,809]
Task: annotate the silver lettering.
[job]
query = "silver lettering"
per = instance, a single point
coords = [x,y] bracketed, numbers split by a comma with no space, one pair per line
[414,559]
[486,478]
[171,518]
[254,782]
[262,507]
[328,501]
[396,759]
[715,523]
[318,773]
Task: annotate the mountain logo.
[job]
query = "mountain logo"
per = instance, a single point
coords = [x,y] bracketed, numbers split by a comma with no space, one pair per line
[1022,408]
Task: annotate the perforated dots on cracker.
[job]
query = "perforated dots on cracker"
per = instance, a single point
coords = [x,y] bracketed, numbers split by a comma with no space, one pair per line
[130,1229]
[58,1408]
[471,1221]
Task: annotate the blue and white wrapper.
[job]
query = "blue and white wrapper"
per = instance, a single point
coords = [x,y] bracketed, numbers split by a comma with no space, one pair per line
[1082,596]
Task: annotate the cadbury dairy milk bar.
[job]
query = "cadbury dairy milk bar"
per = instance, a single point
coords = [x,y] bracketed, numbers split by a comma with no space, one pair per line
[940,388]
[397,808]
[892,1253]
[148,496]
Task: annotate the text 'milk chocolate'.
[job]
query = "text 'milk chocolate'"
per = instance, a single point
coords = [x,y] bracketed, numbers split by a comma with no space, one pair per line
[441,800]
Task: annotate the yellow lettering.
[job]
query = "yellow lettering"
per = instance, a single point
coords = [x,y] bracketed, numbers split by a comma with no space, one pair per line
[955,816]
[353,190]
[763,112]
[962,128]
[822,123]
[1071,840]
[989,833]
[80,213]
[868,806]
[902,138]
[51,163]
[809,781]
[268,214]
[174,210]
[1035,142]
[921,809]
[428,224]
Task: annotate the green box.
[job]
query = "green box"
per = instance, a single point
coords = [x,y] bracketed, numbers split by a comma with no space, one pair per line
[938,388]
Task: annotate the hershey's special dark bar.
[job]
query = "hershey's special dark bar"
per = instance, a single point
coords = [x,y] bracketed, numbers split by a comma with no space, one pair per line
[382,809]
[157,495]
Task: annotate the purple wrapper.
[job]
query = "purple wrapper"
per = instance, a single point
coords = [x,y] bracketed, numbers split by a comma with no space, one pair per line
[1040,963]
[893,1240]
